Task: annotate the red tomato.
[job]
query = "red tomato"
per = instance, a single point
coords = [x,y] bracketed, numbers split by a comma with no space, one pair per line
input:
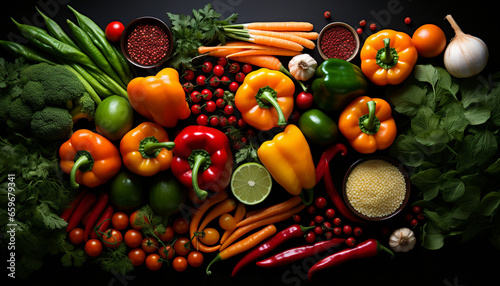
[114,31]
[429,40]
[180,246]
[137,256]
[150,244]
[211,236]
[167,235]
[152,262]
[195,259]
[166,252]
[76,236]
[181,225]
[180,264]
[112,238]
[119,220]
[133,238]
[133,218]
[93,247]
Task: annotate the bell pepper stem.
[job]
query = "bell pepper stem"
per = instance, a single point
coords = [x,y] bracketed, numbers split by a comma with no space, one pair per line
[307,196]
[151,148]
[386,55]
[199,160]
[266,95]
[369,122]
[80,162]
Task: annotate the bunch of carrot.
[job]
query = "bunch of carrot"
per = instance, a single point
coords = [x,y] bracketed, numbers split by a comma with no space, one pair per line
[259,43]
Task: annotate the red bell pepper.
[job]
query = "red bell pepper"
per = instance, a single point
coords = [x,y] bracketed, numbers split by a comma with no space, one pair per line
[203,159]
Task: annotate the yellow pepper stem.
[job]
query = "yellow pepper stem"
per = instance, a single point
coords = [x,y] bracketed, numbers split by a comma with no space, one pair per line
[150,147]
[387,57]
[266,98]
[369,123]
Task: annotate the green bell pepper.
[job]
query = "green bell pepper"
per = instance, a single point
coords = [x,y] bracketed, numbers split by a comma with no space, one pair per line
[318,127]
[337,83]
[166,194]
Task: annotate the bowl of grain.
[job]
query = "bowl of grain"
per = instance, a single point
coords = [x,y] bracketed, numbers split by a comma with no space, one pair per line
[376,188]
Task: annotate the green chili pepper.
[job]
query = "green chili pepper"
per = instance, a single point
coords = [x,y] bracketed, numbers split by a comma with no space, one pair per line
[98,87]
[99,38]
[87,46]
[88,88]
[28,53]
[108,82]
[56,31]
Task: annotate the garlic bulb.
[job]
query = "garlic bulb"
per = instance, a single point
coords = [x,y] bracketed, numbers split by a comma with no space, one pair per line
[402,240]
[302,67]
[465,55]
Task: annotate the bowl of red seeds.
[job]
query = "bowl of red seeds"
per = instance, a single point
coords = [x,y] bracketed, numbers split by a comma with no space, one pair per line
[147,42]
[338,40]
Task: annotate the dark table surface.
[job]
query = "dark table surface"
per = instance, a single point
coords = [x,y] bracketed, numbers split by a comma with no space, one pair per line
[471,263]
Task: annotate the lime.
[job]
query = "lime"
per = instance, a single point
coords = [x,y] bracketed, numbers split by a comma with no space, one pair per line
[251,183]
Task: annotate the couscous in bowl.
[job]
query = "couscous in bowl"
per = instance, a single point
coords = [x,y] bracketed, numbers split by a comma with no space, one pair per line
[376,188]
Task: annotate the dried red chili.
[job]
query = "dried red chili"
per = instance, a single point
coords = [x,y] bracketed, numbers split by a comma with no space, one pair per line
[147,44]
[338,42]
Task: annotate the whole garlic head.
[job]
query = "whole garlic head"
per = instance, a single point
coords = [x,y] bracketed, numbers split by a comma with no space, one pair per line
[402,240]
[302,67]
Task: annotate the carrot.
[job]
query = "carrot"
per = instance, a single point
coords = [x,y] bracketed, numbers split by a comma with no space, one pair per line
[275,26]
[272,210]
[265,52]
[305,35]
[299,40]
[223,207]
[239,214]
[204,49]
[222,53]
[195,220]
[268,220]
[244,245]
[275,42]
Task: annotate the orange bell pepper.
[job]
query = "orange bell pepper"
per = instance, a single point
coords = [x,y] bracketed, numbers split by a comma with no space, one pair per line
[89,158]
[368,125]
[146,150]
[265,99]
[388,57]
[159,98]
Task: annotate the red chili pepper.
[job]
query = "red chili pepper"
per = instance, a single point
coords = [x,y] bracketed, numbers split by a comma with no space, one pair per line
[326,157]
[101,204]
[66,215]
[365,249]
[298,253]
[84,206]
[103,222]
[273,242]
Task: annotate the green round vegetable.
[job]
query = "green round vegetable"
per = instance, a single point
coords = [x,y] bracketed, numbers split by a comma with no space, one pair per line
[126,191]
[114,117]
[318,127]
[166,195]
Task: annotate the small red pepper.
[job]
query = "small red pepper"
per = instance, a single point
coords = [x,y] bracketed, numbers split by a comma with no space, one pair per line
[66,215]
[267,246]
[298,253]
[326,157]
[103,223]
[99,207]
[87,202]
[368,248]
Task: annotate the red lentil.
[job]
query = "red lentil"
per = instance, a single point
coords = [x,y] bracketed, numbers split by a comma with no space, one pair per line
[338,42]
[147,44]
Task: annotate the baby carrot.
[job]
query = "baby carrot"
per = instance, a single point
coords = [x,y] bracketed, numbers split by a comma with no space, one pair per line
[275,42]
[224,207]
[268,220]
[239,214]
[305,35]
[272,210]
[299,40]
[244,245]
[275,26]
[265,52]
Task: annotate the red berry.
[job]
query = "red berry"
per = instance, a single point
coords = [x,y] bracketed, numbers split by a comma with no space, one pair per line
[421,216]
[327,14]
[310,237]
[200,80]
[320,202]
[244,140]
[359,31]
[337,221]
[195,96]
[219,70]
[207,67]
[362,23]
[416,209]
[312,223]
[210,106]
[246,68]
[318,219]
[318,230]
[239,77]
[296,218]
[234,68]
[358,231]
[189,75]
[206,94]
[228,109]
[373,26]
[222,61]
[233,86]
[304,100]
[407,20]
[414,222]
[347,229]
[328,235]
[327,225]
[337,230]
[350,241]
[330,213]
[202,119]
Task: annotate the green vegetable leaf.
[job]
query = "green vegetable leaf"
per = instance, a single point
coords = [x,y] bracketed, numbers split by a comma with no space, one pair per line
[453,190]
[116,260]
[432,237]
[494,168]
[477,114]
[49,219]
[467,204]
[489,203]
[427,182]
[408,99]
[407,150]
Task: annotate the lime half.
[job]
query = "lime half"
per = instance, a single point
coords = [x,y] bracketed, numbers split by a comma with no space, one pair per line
[251,183]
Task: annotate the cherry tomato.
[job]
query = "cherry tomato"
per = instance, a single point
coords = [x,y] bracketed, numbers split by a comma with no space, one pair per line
[310,237]
[133,238]
[304,100]
[181,246]
[93,247]
[137,256]
[149,244]
[196,109]
[347,229]
[195,96]
[234,68]
[429,40]
[167,235]
[327,225]
[202,119]
[318,230]
[133,218]
[318,219]
[359,31]
[219,92]
[195,259]
[233,86]
[119,220]
[181,225]
[200,80]
[206,94]
[239,77]
[328,235]
[241,123]
[210,106]
[229,109]
[188,75]
[220,102]
[207,67]
[231,120]
[296,218]
[327,14]
[76,235]
[407,20]
[222,121]
[320,202]
[152,262]
[358,231]
[227,222]
[214,120]
[225,80]
[114,31]
[337,230]
[362,23]
[214,81]
[211,236]
[166,252]
[311,209]
[188,86]
[219,70]
[180,264]
[222,61]
[337,221]
[350,241]
[246,68]
[330,213]
[112,238]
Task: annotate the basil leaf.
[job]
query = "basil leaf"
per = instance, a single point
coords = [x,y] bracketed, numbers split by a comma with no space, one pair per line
[407,99]
[432,238]
[477,114]
[453,190]
[489,203]
[426,73]
[427,182]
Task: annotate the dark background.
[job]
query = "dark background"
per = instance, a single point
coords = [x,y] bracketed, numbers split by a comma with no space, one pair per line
[471,263]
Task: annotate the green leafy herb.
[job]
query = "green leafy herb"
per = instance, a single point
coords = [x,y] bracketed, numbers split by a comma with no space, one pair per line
[116,260]
[449,137]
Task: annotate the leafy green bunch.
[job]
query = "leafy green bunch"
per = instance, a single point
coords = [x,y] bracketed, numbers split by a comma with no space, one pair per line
[448,136]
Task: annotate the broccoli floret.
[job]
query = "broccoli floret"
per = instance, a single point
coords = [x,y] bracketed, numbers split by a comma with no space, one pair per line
[58,85]
[31,95]
[52,123]
[83,107]
[19,115]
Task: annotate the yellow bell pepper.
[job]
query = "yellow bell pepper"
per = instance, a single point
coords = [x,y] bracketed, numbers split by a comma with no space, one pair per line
[159,98]
[288,159]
